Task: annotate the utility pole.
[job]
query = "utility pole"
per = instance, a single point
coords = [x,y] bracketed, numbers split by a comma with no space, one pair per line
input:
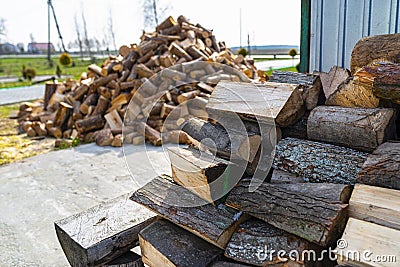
[248,44]
[48,31]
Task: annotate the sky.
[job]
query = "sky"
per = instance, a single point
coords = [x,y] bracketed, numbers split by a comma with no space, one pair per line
[266,22]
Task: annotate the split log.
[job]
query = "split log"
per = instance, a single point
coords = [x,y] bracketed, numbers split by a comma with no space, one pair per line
[375,204]
[179,52]
[364,237]
[358,128]
[319,162]
[63,113]
[104,137]
[201,173]
[257,243]
[375,48]
[30,132]
[383,78]
[94,122]
[39,128]
[143,71]
[50,89]
[91,100]
[168,22]
[182,207]
[312,85]
[101,106]
[382,167]
[188,95]
[175,137]
[96,69]
[331,80]
[282,177]
[352,94]
[76,114]
[90,238]
[117,141]
[165,244]
[104,80]
[146,46]
[301,209]
[150,133]
[114,120]
[267,102]
[217,139]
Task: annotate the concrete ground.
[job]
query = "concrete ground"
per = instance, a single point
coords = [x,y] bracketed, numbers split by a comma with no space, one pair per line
[36,192]
[19,94]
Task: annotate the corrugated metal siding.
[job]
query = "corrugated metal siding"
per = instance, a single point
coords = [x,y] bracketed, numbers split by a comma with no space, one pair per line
[337,25]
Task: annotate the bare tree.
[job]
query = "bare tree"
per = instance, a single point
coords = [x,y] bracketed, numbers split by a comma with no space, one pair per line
[153,12]
[86,39]
[2,28]
[110,28]
[78,36]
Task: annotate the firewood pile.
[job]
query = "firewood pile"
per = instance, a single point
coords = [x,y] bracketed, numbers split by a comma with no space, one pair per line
[93,108]
[334,181]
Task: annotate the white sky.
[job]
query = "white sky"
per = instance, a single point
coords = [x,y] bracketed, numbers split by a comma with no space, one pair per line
[267,22]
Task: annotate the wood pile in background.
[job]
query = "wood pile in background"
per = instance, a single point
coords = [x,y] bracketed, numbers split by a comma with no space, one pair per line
[93,108]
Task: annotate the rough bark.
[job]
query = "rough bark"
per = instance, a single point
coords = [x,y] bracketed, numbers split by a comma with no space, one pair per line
[319,162]
[301,209]
[91,123]
[182,207]
[382,167]
[331,80]
[358,128]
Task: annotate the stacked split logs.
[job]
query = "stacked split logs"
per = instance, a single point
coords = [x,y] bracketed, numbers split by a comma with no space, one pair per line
[188,61]
[276,166]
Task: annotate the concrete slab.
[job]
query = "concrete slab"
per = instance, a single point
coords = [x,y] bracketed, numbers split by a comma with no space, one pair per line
[19,94]
[40,190]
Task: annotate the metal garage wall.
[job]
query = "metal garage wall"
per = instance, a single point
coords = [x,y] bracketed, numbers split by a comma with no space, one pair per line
[337,25]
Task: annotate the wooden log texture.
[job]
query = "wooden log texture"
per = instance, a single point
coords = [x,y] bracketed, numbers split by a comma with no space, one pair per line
[301,209]
[128,259]
[90,238]
[382,167]
[319,162]
[358,128]
[165,244]
[224,143]
[182,207]
[331,80]
[375,204]
[363,236]
[91,123]
[373,48]
[268,102]
[312,85]
[256,242]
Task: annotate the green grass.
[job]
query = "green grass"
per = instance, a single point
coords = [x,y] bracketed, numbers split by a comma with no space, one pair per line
[12,67]
[283,69]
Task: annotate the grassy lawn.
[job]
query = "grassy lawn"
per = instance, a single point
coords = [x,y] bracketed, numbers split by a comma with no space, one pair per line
[12,67]
[283,69]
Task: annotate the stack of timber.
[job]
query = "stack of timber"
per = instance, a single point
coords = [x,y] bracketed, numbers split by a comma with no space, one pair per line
[188,61]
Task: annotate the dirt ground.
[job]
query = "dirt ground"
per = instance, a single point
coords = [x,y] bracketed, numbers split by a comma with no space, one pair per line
[15,146]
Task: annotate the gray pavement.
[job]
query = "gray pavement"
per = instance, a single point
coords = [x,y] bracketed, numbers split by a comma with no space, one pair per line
[20,94]
[37,191]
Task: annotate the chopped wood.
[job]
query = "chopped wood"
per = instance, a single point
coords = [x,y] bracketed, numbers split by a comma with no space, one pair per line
[165,244]
[62,115]
[114,120]
[268,102]
[104,137]
[382,167]
[312,85]
[215,224]
[128,259]
[368,49]
[150,133]
[302,209]
[365,237]
[117,141]
[319,162]
[94,122]
[282,177]
[101,106]
[331,80]
[90,238]
[49,90]
[358,128]
[96,69]
[375,204]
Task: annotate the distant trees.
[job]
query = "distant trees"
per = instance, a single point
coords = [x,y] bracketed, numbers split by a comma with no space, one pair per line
[293,53]
[2,28]
[153,12]
[110,28]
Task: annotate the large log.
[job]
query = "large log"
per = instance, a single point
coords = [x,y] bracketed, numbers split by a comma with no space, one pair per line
[312,85]
[331,80]
[375,204]
[368,244]
[202,173]
[62,115]
[91,123]
[182,207]
[382,167]
[281,103]
[225,143]
[319,162]
[90,238]
[375,48]
[257,243]
[358,128]
[304,209]
[128,259]
[165,244]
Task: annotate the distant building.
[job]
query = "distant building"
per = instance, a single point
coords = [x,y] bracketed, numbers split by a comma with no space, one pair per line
[8,48]
[40,48]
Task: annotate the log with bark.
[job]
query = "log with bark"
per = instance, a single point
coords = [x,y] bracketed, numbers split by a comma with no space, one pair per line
[319,162]
[359,128]
[128,259]
[165,244]
[215,224]
[331,80]
[382,167]
[90,238]
[311,211]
